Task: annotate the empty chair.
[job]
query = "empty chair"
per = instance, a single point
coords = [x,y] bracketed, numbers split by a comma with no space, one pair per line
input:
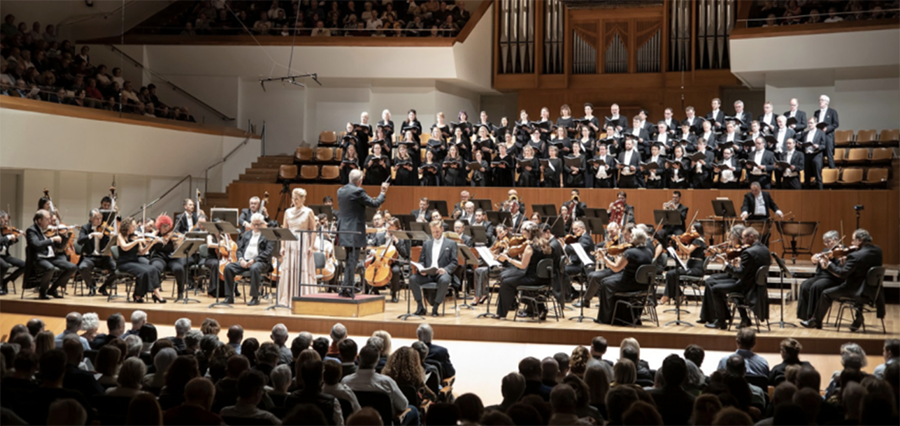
[866,137]
[843,137]
[876,176]
[303,155]
[882,155]
[287,173]
[857,155]
[830,176]
[327,138]
[840,155]
[324,154]
[338,154]
[331,173]
[309,173]
[889,137]
[851,176]
[423,138]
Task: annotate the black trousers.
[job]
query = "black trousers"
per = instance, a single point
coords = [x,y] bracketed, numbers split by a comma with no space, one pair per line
[828,296]
[44,266]
[89,263]
[813,169]
[443,283]
[350,268]
[719,293]
[672,288]
[510,280]
[146,277]
[628,181]
[212,264]
[257,270]
[566,279]
[792,182]
[594,279]
[176,266]
[708,309]
[7,262]
[829,149]
[604,183]
[811,292]
[608,288]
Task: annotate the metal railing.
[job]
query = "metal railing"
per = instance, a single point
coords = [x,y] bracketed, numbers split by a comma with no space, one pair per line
[232,152]
[188,178]
[174,86]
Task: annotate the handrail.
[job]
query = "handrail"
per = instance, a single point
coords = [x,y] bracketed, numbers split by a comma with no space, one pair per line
[222,160]
[173,85]
[172,188]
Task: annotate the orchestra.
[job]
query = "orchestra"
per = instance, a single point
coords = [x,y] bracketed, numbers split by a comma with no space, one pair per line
[719,151]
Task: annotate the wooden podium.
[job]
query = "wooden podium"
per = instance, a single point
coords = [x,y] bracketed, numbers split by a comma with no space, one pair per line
[332,305]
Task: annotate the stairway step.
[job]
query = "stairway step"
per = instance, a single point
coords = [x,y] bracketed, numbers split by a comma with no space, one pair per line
[257,178]
[255,171]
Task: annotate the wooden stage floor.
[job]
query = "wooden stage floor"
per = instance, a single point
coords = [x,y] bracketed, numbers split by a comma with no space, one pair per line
[467,327]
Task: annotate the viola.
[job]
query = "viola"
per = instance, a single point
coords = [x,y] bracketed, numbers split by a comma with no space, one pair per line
[7,230]
[838,252]
[618,249]
[687,237]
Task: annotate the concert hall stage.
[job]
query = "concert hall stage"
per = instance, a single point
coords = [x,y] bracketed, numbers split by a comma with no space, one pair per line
[467,327]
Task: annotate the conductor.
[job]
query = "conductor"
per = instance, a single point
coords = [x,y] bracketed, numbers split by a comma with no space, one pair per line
[353,201]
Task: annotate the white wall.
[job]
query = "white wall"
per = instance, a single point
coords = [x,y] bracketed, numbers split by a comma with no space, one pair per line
[282,108]
[861,104]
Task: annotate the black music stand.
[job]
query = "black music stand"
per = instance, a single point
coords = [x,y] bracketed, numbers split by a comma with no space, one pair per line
[478,234]
[723,207]
[484,205]
[405,220]
[412,236]
[370,213]
[489,262]
[421,227]
[440,206]
[596,225]
[471,260]
[323,208]
[544,209]
[581,317]
[275,235]
[678,264]
[186,249]
[784,272]
[668,218]
[219,228]
[497,218]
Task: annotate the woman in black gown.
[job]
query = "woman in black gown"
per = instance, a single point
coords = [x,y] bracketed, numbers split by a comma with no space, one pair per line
[130,248]
[565,120]
[575,175]
[461,142]
[454,168]
[349,163]
[530,172]
[480,178]
[484,143]
[412,124]
[552,170]
[522,271]
[437,145]
[695,252]
[624,277]
[431,171]
[377,166]
[502,168]
[406,172]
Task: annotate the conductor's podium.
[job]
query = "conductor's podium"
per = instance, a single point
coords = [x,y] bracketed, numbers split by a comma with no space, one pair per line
[332,305]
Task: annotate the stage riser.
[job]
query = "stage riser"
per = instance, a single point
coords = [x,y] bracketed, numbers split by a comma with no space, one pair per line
[326,308]
[488,331]
[832,209]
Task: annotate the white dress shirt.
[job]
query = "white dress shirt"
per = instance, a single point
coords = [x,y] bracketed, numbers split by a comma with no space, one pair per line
[708,135]
[252,249]
[653,159]
[760,209]
[793,114]
[767,118]
[49,251]
[787,158]
[810,136]
[782,132]
[757,158]
[626,170]
[730,137]
[96,241]
[436,246]
[822,114]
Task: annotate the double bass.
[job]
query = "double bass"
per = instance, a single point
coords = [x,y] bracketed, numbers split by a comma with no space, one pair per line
[378,266]
[227,254]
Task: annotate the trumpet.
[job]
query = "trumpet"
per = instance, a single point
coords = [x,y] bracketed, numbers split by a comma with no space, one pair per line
[669,205]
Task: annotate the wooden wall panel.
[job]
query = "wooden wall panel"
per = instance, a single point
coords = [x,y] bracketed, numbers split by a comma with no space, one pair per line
[830,208]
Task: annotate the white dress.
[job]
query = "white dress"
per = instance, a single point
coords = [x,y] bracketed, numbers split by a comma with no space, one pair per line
[291,272]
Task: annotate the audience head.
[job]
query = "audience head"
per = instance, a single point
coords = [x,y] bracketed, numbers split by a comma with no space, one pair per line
[332,372]
[674,370]
[210,326]
[696,354]
[598,346]
[809,378]
[624,372]
[182,326]
[338,332]
[425,333]
[549,370]
[267,354]
[320,345]
[200,392]
[66,411]
[618,400]
[810,401]
[132,372]
[144,409]
[563,399]
[347,350]
[73,322]
[182,370]
[746,337]
[442,414]
[74,349]
[530,368]
[706,407]
[520,414]
[641,413]
[852,354]
[512,387]
[366,416]
[36,325]
[368,357]
[248,348]
[251,384]
[53,367]
[735,365]
[281,378]
[279,334]
[470,408]
[579,360]
[731,416]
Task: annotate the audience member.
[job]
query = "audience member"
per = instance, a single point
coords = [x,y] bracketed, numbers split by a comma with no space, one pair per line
[251,388]
[673,402]
[199,394]
[756,365]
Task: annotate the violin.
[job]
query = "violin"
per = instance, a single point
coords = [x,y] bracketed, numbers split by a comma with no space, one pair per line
[516,246]
[570,238]
[734,253]
[687,237]
[835,253]
[8,230]
[53,230]
[617,250]
[500,245]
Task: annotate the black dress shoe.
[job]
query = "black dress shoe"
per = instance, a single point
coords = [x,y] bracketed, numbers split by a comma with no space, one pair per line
[421,311]
[253,302]
[103,291]
[92,291]
[744,323]
[55,294]
[229,301]
[811,324]
[700,321]
[715,324]
[44,297]
[394,299]
[434,311]
[857,323]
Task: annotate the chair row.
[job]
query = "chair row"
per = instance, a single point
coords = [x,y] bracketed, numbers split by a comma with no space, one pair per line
[863,155]
[306,155]
[310,173]
[888,137]
[856,176]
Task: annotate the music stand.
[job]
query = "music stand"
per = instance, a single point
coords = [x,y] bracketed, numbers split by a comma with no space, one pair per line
[668,218]
[723,207]
[784,272]
[275,235]
[440,206]
[678,264]
[411,236]
[557,226]
[324,208]
[544,209]
[471,260]
[405,220]
[478,234]
[596,225]
[484,205]
[224,215]
[497,218]
[186,249]
[110,215]
[586,261]
[489,262]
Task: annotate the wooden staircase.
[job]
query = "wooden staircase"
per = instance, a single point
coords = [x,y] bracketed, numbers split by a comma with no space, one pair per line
[263,170]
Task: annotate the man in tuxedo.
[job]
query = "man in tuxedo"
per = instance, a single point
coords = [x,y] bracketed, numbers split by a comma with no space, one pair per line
[669,230]
[353,201]
[421,214]
[716,116]
[798,115]
[188,219]
[830,117]
[517,217]
[745,116]
[670,122]
[764,162]
[757,204]
[752,258]
[629,164]
[468,214]
[813,143]
[728,170]
[604,176]
[41,256]
[639,134]
[439,253]
[767,120]
[853,272]
[575,205]
[645,124]
[702,170]
[790,176]
[92,241]
[7,260]
[460,207]
[782,133]
[254,252]
[244,220]
[616,120]
[575,265]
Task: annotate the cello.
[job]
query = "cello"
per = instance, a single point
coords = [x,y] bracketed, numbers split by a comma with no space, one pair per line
[227,254]
[378,266]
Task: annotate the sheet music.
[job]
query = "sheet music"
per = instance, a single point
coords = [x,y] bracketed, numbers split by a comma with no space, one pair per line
[485,254]
[674,255]
[422,269]
[582,256]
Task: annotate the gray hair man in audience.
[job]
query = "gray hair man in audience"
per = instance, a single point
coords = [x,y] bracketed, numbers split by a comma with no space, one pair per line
[138,319]
[279,337]
[73,326]
[182,326]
